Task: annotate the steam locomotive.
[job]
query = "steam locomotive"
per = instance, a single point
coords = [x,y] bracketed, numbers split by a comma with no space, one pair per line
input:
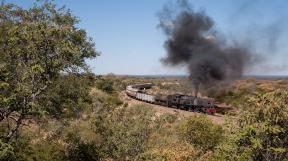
[179,101]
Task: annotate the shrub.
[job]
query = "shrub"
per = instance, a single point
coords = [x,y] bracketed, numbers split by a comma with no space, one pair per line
[78,150]
[103,99]
[200,132]
[45,151]
[27,147]
[262,131]
[124,131]
[105,85]
[6,151]
[171,150]
[168,118]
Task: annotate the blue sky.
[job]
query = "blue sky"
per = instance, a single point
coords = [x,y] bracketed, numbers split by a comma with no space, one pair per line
[126,33]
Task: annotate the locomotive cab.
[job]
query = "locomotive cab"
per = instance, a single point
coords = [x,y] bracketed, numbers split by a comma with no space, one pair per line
[210,109]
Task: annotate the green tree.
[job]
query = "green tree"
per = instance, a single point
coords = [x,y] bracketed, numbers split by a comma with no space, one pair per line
[37,45]
[68,96]
[262,131]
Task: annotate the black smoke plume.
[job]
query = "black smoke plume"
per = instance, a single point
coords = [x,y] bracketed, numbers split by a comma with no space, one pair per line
[192,41]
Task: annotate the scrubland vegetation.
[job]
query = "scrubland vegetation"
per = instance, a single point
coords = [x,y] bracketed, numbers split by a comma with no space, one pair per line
[105,128]
[53,108]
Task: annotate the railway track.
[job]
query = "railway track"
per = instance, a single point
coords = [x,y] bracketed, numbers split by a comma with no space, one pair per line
[181,104]
[179,101]
[160,110]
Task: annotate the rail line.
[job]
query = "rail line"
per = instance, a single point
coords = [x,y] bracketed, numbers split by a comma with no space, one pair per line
[178,101]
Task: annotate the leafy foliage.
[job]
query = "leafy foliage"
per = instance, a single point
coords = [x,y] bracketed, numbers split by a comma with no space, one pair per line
[105,85]
[28,148]
[6,151]
[124,131]
[44,151]
[37,45]
[101,98]
[43,73]
[165,144]
[171,150]
[69,95]
[262,132]
[79,150]
[200,132]
[167,118]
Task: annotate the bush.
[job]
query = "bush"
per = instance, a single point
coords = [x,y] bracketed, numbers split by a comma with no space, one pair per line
[45,151]
[168,118]
[262,131]
[6,151]
[171,150]
[165,144]
[79,150]
[103,99]
[124,131]
[27,147]
[200,132]
[105,85]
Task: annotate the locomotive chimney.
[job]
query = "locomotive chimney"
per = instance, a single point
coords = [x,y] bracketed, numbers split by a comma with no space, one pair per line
[196,87]
[195,92]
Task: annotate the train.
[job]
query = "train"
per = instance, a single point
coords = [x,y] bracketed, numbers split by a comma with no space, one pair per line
[179,101]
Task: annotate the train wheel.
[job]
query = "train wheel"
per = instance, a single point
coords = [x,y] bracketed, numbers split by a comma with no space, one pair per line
[197,110]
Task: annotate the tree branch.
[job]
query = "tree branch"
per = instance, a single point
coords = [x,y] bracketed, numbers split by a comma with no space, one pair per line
[39,91]
[15,129]
[4,114]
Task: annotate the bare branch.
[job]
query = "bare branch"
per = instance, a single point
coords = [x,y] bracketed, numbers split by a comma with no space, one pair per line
[39,91]
[4,114]
[15,129]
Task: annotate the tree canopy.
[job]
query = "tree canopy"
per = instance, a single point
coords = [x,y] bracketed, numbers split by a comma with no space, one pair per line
[36,46]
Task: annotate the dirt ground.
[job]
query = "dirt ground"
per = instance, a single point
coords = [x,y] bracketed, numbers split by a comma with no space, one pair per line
[217,118]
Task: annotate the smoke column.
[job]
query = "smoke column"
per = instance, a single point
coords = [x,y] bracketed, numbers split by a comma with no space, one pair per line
[192,41]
